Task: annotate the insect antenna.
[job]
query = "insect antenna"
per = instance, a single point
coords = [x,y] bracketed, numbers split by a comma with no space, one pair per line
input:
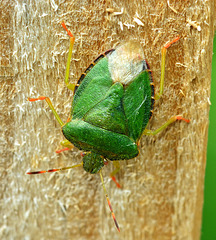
[108,201]
[56,169]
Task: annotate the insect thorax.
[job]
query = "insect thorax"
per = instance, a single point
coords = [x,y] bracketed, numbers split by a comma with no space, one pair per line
[126,62]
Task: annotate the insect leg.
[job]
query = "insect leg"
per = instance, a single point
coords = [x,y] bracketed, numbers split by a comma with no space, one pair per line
[70,86]
[166,124]
[67,146]
[108,201]
[114,172]
[50,105]
[163,58]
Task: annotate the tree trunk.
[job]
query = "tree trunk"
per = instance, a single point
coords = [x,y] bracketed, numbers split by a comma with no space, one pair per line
[162,189]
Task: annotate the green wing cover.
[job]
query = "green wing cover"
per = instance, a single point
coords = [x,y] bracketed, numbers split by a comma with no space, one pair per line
[137,104]
[108,118]
[92,89]
[113,146]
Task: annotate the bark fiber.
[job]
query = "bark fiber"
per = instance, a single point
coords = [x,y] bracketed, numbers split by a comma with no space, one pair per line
[162,189]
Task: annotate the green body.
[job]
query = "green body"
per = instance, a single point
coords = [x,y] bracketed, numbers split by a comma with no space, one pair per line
[108,117]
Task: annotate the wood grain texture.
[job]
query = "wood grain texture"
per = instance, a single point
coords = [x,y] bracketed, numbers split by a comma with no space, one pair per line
[162,189]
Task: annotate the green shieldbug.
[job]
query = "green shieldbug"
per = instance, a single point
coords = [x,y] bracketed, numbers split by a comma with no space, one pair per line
[112,105]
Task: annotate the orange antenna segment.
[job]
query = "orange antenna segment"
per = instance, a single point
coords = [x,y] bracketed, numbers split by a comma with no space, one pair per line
[56,169]
[108,201]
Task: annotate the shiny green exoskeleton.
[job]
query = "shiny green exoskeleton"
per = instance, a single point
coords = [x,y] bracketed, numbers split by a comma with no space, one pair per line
[112,105]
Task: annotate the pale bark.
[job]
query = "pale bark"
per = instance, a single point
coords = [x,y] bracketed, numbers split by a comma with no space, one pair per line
[162,189]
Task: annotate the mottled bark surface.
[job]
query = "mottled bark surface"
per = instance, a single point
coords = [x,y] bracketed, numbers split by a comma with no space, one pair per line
[162,189]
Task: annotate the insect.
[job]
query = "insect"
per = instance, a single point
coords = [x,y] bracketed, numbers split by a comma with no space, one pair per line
[112,105]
